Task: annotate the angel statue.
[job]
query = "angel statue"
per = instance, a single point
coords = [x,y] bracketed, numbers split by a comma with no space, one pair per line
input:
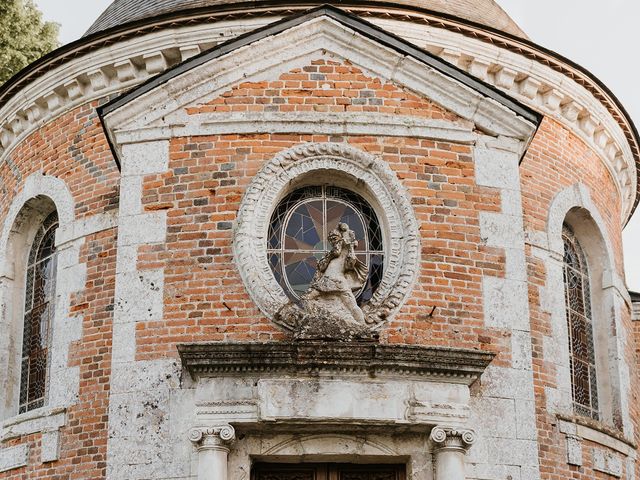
[328,309]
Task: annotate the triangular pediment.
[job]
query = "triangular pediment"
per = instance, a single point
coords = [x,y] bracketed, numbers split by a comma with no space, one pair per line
[158,107]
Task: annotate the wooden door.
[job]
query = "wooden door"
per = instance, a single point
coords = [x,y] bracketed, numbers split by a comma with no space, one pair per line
[326,471]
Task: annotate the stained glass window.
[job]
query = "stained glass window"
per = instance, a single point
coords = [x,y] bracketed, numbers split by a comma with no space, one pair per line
[580,327]
[38,315]
[298,237]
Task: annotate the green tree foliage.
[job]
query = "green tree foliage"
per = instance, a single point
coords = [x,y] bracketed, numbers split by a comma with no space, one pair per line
[24,37]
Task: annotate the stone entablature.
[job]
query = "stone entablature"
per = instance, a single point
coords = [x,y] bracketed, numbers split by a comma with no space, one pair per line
[558,90]
[312,388]
[458,366]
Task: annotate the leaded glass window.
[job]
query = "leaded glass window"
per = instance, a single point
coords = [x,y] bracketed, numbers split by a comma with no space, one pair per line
[298,234]
[38,315]
[580,327]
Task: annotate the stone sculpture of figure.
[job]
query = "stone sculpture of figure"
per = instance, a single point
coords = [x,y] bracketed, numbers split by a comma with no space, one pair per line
[328,309]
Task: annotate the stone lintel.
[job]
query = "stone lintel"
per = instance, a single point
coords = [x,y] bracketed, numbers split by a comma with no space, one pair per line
[348,358]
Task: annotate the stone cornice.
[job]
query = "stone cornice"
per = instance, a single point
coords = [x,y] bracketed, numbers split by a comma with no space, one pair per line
[313,358]
[547,89]
[347,123]
[108,63]
[299,40]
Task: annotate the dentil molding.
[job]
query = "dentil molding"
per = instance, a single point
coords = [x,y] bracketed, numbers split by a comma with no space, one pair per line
[547,85]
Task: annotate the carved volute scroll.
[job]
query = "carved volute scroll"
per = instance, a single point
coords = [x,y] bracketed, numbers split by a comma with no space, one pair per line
[212,438]
[450,445]
[452,438]
[213,445]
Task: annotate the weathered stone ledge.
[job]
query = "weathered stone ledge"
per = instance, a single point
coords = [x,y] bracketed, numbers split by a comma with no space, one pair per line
[314,358]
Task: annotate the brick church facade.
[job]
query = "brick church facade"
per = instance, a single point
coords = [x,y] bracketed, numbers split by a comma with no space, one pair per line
[175,188]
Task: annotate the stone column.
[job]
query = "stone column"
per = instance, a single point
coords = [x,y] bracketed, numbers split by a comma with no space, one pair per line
[212,445]
[450,448]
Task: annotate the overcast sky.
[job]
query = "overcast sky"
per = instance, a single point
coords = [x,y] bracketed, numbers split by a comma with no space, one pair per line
[601,36]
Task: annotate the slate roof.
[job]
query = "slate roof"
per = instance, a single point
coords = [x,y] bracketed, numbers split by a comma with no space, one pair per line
[485,12]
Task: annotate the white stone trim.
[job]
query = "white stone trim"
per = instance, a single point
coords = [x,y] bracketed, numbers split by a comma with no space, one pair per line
[86,226]
[294,48]
[384,192]
[35,185]
[63,381]
[315,123]
[47,421]
[40,420]
[607,462]
[607,297]
[635,311]
[13,457]
[139,390]
[580,432]
[541,87]
[504,414]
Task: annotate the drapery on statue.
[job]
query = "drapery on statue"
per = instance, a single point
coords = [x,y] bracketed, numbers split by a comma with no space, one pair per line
[328,309]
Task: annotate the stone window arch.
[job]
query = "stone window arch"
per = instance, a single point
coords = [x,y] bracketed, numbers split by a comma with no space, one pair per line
[28,317]
[40,212]
[592,359]
[574,208]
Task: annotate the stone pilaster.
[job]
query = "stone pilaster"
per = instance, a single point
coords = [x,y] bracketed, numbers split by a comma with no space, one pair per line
[450,446]
[212,444]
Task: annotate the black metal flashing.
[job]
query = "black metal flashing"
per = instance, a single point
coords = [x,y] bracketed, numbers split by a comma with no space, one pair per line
[353,22]
[200,15]
[334,358]
[120,12]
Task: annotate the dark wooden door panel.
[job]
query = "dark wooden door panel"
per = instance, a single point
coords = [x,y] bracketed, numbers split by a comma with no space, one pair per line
[298,471]
[370,472]
[326,471]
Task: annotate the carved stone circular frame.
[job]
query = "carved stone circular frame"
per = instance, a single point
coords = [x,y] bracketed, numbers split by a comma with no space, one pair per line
[375,181]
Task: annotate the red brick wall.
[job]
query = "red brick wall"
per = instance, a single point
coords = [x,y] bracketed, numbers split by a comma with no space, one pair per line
[74,149]
[324,86]
[556,160]
[205,299]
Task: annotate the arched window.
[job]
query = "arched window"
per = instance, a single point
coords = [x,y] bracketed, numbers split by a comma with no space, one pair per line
[298,234]
[38,314]
[580,327]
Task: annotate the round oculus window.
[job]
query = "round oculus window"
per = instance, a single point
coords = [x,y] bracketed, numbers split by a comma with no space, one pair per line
[298,235]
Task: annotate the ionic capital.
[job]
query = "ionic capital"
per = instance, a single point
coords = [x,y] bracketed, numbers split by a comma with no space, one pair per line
[447,438]
[212,438]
